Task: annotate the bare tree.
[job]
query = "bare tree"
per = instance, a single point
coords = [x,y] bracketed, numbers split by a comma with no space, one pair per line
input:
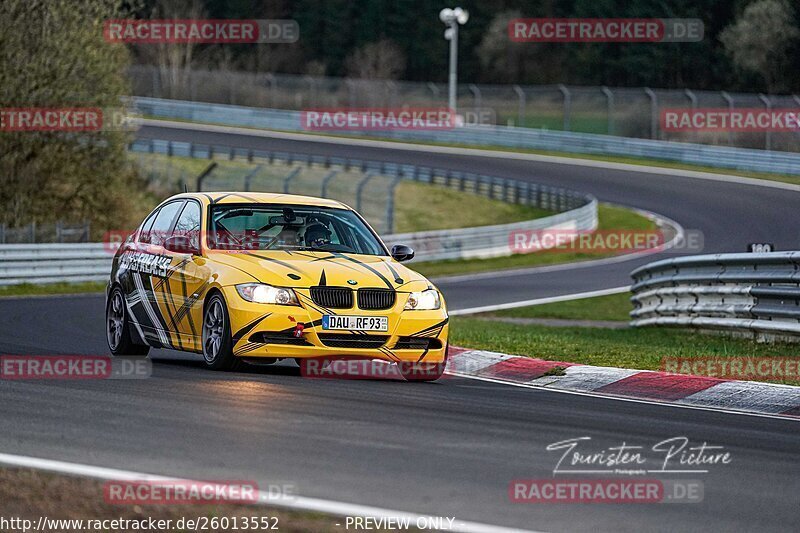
[174,60]
[503,60]
[760,38]
[379,60]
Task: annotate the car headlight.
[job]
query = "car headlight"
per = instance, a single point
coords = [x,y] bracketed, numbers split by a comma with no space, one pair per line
[426,300]
[262,293]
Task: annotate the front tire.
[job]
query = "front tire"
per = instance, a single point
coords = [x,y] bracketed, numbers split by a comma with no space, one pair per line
[118,327]
[217,343]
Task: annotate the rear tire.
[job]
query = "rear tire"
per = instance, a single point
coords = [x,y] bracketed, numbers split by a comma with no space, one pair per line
[118,327]
[217,343]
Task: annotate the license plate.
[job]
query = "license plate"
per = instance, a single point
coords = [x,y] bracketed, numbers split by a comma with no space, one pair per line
[358,323]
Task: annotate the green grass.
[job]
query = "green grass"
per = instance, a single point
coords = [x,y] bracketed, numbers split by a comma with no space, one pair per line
[609,217]
[29,289]
[422,207]
[418,206]
[612,307]
[640,348]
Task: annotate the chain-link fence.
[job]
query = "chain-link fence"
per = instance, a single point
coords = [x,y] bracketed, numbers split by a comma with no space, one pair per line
[626,112]
[34,233]
[368,186]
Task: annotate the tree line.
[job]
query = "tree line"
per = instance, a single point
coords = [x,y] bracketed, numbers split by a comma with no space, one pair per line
[748,44]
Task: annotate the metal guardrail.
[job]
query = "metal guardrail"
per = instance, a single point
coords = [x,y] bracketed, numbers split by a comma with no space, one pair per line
[757,294]
[32,232]
[490,241]
[52,263]
[504,136]
[624,111]
[504,189]
[48,263]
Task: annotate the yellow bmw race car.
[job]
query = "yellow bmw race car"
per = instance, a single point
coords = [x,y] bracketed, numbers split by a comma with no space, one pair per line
[259,277]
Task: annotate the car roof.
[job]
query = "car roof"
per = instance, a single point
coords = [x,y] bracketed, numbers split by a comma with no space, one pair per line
[234,197]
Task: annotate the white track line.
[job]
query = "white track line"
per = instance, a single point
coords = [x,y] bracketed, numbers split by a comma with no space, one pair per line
[539,301]
[498,154]
[662,220]
[290,502]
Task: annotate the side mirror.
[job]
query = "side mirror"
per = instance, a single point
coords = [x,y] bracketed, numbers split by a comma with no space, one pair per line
[401,252]
[181,244]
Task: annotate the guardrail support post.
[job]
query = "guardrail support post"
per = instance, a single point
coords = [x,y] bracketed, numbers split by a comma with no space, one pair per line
[390,204]
[326,180]
[521,108]
[211,166]
[476,96]
[768,135]
[360,189]
[248,178]
[729,100]
[609,108]
[289,178]
[433,89]
[271,81]
[653,111]
[567,105]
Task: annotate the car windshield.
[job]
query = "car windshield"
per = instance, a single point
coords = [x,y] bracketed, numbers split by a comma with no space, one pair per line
[291,228]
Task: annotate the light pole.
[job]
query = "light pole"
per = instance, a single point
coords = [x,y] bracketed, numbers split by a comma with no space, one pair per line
[453,18]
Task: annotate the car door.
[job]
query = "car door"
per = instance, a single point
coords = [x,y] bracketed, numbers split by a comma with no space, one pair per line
[150,273]
[187,281]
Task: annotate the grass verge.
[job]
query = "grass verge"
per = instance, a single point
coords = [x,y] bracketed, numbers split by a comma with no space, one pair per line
[442,208]
[30,494]
[639,348]
[609,218]
[612,307]
[30,289]
[449,209]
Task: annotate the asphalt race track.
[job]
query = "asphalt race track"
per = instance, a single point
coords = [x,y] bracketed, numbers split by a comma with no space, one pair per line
[445,448]
[730,215]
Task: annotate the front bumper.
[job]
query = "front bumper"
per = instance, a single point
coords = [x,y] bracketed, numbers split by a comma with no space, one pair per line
[264,330]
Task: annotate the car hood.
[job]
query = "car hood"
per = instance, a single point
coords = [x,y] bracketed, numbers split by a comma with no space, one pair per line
[308,269]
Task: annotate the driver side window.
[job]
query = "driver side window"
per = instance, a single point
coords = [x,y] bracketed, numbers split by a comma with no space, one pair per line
[188,224]
[163,223]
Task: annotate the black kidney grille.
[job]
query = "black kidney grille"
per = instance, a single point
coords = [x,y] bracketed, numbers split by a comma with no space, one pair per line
[352,340]
[332,297]
[376,298]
